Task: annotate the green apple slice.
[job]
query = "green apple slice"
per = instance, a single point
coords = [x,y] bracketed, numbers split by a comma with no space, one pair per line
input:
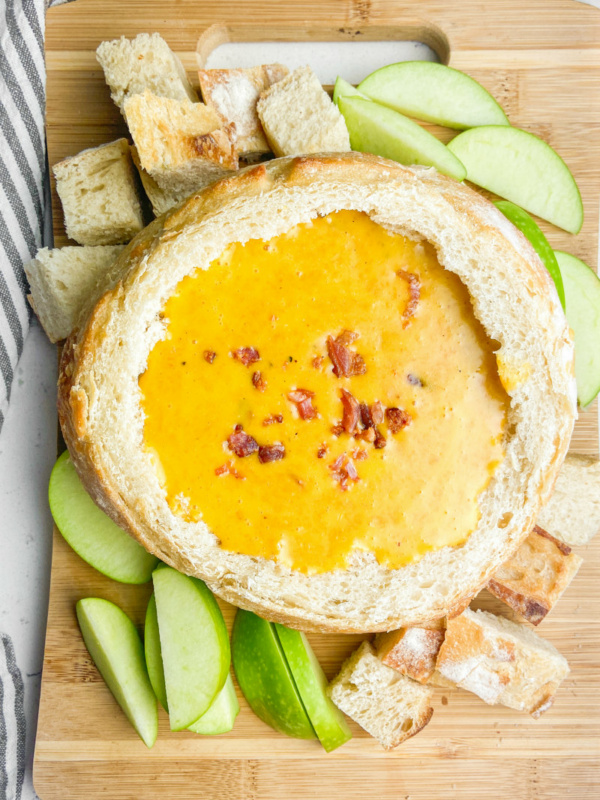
[116,648]
[379,130]
[327,720]
[434,93]
[518,166]
[265,678]
[153,654]
[92,534]
[531,230]
[220,717]
[194,644]
[344,89]
[582,294]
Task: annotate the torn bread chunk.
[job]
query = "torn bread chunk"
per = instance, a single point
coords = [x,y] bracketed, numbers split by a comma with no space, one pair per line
[62,282]
[145,63]
[98,189]
[532,581]
[389,706]
[299,117]
[234,93]
[181,145]
[573,512]
[160,200]
[412,651]
[501,662]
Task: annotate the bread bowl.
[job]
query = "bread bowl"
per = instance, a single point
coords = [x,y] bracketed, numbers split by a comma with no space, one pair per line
[511,297]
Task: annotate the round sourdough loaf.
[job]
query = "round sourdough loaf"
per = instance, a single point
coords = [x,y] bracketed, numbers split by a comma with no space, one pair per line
[512,295]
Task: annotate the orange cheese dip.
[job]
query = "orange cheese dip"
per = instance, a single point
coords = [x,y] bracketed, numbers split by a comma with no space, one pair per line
[253,336]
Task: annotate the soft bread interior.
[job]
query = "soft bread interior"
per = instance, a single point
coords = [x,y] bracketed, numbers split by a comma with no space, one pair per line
[512,296]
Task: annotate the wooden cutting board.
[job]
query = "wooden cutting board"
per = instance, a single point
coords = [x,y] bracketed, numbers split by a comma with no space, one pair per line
[541,59]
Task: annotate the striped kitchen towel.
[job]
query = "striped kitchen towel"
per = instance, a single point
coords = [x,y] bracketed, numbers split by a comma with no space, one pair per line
[24,194]
[12,723]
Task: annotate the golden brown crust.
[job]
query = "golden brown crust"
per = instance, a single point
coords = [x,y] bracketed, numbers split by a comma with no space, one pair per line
[534,578]
[411,651]
[81,382]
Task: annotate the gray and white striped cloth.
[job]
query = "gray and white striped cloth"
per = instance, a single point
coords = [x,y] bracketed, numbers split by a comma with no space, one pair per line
[12,723]
[24,194]
[24,226]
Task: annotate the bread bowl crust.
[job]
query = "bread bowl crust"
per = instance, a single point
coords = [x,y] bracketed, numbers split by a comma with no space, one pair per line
[513,297]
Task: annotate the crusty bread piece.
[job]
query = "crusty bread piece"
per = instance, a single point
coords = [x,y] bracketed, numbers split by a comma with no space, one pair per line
[160,200]
[132,66]
[412,651]
[389,706]
[62,281]
[233,93]
[501,662]
[533,579]
[573,512]
[513,297]
[181,145]
[98,189]
[298,116]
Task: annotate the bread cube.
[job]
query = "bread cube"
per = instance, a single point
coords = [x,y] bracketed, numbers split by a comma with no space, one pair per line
[98,189]
[145,63]
[412,651]
[298,116]
[64,282]
[234,93]
[573,512]
[532,581]
[389,706]
[181,145]
[501,662]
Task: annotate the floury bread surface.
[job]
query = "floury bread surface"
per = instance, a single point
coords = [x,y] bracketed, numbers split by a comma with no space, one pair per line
[513,298]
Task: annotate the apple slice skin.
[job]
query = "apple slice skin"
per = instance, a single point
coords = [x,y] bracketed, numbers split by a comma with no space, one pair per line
[582,291]
[327,720]
[532,231]
[116,649]
[520,167]
[220,717]
[194,644]
[91,533]
[379,130]
[153,654]
[344,89]
[264,676]
[434,93]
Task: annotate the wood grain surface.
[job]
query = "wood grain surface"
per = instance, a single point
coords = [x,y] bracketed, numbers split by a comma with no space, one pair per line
[541,59]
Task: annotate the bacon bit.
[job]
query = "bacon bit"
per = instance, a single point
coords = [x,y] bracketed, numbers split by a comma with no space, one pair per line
[414,293]
[346,338]
[317,362]
[414,380]
[359,454]
[209,356]
[241,443]
[322,451]
[380,440]
[346,363]
[368,435]
[365,416]
[352,413]
[247,355]
[274,418]
[258,381]
[343,471]
[302,399]
[229,469]
[397,419]
[271,452]
[337,430]
[376,410]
